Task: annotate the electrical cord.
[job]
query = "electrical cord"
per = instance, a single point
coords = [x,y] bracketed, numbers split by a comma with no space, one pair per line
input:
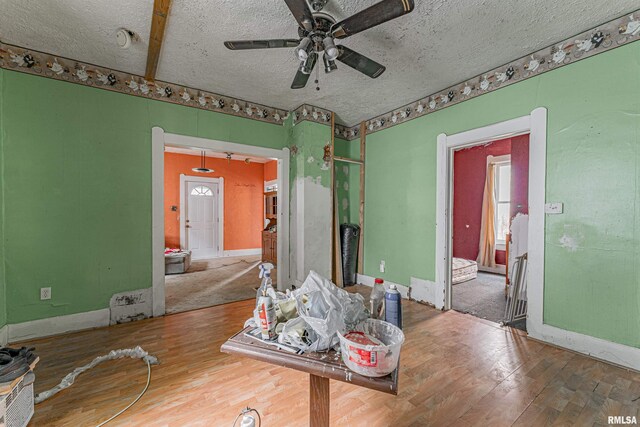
[146,387]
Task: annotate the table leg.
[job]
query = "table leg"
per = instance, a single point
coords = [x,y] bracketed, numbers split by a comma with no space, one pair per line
[319,401]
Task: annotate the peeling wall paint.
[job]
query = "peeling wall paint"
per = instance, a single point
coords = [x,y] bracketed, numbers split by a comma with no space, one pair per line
[310,201]
[593,167]
[131,305]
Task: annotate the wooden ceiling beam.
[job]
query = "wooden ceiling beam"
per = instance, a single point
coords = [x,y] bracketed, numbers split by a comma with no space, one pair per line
[156,36]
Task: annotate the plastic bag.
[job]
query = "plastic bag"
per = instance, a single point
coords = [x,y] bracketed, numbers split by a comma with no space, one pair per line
[326,309]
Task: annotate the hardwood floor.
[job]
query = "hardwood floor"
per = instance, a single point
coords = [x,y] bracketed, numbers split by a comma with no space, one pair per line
[455,370]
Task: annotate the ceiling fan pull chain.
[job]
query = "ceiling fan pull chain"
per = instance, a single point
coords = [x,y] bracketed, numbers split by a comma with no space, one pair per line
[317,78]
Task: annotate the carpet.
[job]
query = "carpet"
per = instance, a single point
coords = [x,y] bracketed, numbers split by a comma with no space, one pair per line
[481,297]
[213,282]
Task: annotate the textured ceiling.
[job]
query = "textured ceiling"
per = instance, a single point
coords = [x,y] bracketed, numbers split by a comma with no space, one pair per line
[442,42]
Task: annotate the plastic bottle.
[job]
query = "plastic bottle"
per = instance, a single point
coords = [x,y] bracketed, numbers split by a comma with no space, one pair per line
[376,300]
[267,315]
[265,286]
[393,306]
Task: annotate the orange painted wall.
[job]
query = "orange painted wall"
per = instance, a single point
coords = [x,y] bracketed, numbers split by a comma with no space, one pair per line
[271,170]
[243,199]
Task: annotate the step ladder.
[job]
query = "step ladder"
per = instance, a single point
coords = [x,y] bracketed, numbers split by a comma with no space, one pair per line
[517,296]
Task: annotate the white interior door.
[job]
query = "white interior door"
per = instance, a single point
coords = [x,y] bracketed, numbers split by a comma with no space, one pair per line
[201,219]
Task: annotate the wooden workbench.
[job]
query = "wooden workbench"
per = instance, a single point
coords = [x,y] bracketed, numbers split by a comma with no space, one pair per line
[321,368]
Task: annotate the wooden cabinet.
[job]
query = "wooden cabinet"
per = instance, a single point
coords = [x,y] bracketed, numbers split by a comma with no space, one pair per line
[271,205]
[270,247]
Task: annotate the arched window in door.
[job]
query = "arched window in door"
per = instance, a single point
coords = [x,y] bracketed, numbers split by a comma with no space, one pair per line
[201,190]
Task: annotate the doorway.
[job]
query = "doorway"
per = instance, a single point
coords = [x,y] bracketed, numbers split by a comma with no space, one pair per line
[490,189]
[237,261]
[535,124]
[201,224]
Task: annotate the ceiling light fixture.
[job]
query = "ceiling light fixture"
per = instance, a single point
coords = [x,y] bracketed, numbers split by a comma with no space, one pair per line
[330,48]
[329,64]
[124,38]
[304,49]
[203,168]
[229,157]
[306,66]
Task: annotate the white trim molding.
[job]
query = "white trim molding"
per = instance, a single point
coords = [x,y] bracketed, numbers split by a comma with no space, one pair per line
[243,252]
[363,279]
[219,214]
[58,325]
[158,142]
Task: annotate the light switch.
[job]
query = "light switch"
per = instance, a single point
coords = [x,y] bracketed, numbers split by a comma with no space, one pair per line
[553,208]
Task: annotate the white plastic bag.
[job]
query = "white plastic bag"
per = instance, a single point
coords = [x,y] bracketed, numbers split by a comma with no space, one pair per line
[327,309]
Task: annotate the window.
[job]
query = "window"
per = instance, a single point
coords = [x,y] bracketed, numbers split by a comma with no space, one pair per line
[503,200]
[201,190]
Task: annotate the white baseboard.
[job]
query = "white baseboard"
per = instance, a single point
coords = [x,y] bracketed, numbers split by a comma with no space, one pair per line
[58,325]
[243,252]
[3,335]
[425,291]
[499,269]
[369,281]
[598,348]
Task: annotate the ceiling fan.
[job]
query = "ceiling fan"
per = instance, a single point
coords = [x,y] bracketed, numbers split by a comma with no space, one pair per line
[318,31]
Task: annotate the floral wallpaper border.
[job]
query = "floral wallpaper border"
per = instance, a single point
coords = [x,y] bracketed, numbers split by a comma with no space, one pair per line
[59,68]
[607,36]
[610,35]
[311,113]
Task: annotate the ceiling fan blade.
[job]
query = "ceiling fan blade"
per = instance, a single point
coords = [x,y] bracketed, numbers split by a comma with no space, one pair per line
[302,13]
[360,62]
[260,44]
[300,80]
[377,14]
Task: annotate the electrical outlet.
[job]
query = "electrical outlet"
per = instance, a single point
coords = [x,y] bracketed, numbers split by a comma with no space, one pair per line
[45,293]
[382,266]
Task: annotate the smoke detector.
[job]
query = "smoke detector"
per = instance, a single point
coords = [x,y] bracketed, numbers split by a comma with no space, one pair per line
[123,38]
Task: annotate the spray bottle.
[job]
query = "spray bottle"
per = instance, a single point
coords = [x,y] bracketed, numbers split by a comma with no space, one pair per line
[267,315]
[266,286]
[267,283]
[393,306]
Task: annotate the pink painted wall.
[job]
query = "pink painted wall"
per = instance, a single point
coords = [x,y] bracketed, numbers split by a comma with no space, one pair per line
[469,171]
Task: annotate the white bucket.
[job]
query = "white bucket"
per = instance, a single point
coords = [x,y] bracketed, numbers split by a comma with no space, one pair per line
[373,360]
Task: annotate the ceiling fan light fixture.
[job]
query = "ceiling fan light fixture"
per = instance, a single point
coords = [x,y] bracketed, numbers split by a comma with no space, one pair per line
[307,65]
[329,64]
[330,48]
[304,49]
[203,168]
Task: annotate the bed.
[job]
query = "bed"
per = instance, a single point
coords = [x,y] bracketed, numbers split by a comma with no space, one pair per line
[463,270]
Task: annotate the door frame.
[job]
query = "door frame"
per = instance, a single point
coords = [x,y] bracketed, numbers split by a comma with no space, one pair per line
[535,125]
[159,138]
[219,214]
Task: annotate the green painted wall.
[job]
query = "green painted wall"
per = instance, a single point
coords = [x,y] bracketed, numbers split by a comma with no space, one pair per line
[77,188]
[593,166]
[3,298]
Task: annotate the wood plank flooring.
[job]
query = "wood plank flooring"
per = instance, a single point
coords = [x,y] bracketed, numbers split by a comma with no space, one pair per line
[455,370]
